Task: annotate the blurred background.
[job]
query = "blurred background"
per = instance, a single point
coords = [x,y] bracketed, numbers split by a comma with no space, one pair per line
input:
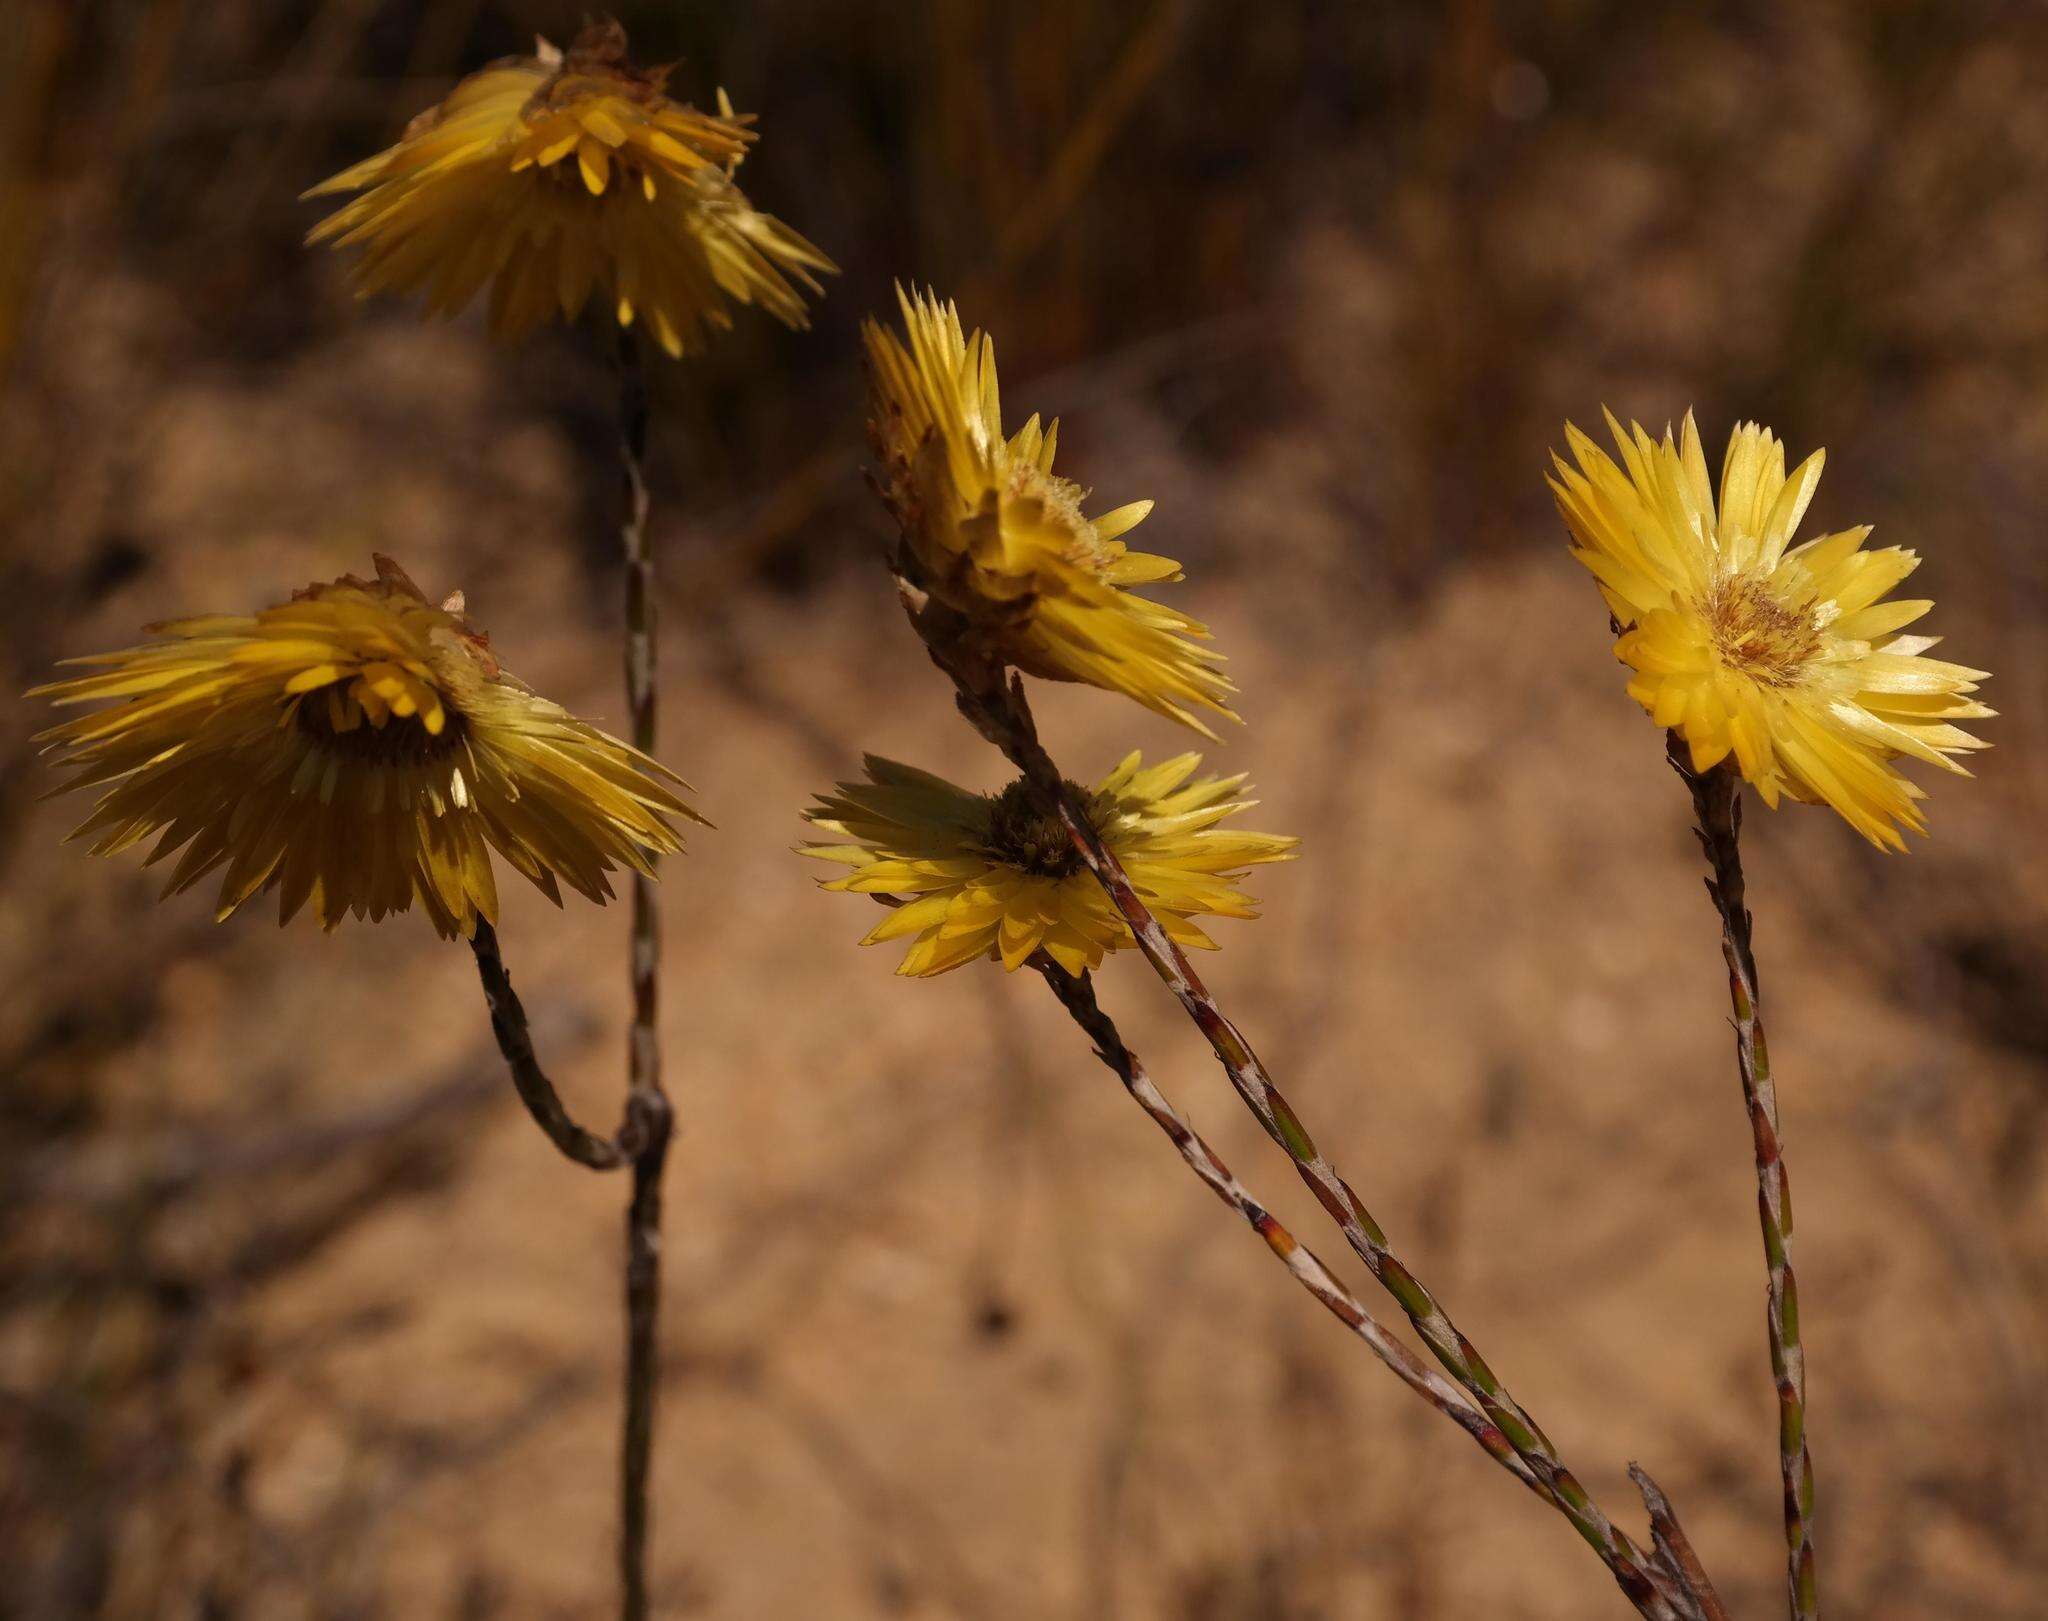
[300,1317]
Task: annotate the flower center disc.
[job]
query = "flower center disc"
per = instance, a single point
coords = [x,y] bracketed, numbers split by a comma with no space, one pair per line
[1757,633]
[401,740]
[1021,835]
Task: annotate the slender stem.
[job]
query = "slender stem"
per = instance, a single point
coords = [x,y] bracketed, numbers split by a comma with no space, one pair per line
[641,696]
[536,1091]
[647,1102]
[999,711]
[1717,798]
[643,1313]
[1077,995]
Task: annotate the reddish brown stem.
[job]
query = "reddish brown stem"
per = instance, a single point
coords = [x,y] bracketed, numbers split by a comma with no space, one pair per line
[1674,1548]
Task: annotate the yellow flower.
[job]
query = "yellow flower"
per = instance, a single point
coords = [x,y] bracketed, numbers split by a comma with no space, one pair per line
[994,534]
[555,178]
[1785,656]
[993,876]
[357,748]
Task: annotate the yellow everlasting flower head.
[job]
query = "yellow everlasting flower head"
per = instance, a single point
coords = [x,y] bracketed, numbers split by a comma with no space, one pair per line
[986,875]
[990,531]
[561,176]
[356,748]
[1785,656]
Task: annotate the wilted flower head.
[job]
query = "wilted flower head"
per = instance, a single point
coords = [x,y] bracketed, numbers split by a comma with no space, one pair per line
[1785,656]
[992,875]
[995,535]
[356,748]
[562,176]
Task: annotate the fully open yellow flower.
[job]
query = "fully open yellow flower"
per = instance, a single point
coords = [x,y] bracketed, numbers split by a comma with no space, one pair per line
[557,177]
[986,875]
[993,533]
[356,748]
[1785,656]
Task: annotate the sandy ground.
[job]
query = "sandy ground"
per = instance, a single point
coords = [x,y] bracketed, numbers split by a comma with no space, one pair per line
[303,1318]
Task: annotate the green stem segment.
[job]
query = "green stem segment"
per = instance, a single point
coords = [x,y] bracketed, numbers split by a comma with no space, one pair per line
[1717,799]
[997,708]
[647,1103]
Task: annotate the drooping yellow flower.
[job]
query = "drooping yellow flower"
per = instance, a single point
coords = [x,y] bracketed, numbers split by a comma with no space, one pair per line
[991,875]
[558,177]
[1785,656]
[993,533]
[355,748]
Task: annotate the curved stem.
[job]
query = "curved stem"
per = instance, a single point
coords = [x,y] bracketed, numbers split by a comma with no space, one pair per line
[999,711]
[536,1091]
[1717,798]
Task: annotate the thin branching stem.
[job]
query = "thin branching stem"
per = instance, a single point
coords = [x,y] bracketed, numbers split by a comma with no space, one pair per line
[642,1140]
[640,1144]
[997,708]
[1717,799]
[1076,993]
[647,1102]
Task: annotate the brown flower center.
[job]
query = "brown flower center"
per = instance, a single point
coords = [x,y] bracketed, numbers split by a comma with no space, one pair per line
[1023,836]
[401,740]
[1759,634]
